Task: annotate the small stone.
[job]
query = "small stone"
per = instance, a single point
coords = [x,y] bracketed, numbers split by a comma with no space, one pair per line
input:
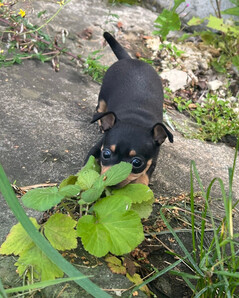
[177,79]
[214,85]
[203,64]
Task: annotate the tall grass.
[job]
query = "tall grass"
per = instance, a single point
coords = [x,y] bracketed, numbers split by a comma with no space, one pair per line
[214,267]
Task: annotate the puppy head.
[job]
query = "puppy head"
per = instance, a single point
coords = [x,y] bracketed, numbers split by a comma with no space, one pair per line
[130,143]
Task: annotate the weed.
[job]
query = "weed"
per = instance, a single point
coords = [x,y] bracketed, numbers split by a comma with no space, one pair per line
[168,21]
[26,41]
[214,267]
[227,41]
[172,49]
[215,117]
[94,68]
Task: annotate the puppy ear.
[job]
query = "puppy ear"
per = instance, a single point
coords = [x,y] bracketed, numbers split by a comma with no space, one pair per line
[107,120]
[160,133]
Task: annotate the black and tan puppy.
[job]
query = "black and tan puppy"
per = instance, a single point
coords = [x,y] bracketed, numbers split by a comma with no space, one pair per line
[130,113]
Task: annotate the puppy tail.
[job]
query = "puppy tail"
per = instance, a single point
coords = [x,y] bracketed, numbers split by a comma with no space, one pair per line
[118,50]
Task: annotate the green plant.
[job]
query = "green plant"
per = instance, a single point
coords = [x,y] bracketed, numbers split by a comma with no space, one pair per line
[182,105]
[234,10]
[22,40]
[106,219]
[172,49]
[94,68]
[214,267]
[168,21]
[42,244]
[227,41]
[215,117]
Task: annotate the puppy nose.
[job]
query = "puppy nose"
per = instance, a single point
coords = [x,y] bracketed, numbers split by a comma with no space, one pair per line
[104,169]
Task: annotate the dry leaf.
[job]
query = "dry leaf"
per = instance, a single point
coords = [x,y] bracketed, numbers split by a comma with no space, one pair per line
[115,265]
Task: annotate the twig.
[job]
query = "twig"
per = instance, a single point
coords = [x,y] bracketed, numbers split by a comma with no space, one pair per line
[176,231]
[26,188]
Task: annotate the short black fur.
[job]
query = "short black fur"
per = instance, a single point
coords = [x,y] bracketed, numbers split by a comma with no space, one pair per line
[130,112]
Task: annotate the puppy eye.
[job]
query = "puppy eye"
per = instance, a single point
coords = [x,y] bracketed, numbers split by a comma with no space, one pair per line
[136,162]
[106,153]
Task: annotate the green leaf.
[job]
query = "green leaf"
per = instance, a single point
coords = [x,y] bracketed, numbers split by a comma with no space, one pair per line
[41,13]
[208,37]
[177,3]
[43,268]
[117,173]
[236,2]
[59,230]
[13,203]
[143,209]
[112,205]
[195,21]
[217,24]
[218,67]
[71,180]
[94,236]
[113,229]
[136,192]
[17,240]
[42,199]
[167,21]
[70,190]
[86,178]
[232,11]
[235,60]
[94,193]
[92,164]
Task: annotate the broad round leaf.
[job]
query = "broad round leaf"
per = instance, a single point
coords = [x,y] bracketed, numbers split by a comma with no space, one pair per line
[117,173]
[94,237]
[143,209]
[111,205]
[91,164]
[94,193]
[114,228]
[70,190]
[43,268]
[136,192]
[59,230]
[71,180]
[42,199]
[86,178]
[17,240]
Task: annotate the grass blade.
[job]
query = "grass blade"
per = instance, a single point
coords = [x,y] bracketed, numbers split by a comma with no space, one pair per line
[41,242]
[43,284]
[156,275]
[215,230]
[2,291]
[184,249]
[192,213]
